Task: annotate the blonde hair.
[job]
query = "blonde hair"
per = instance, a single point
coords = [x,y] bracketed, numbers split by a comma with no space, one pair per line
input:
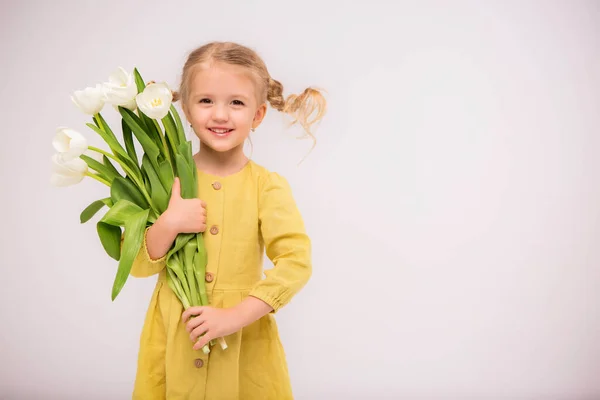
[300,107]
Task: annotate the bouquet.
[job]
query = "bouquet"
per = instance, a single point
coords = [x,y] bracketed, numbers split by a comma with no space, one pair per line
[140,191]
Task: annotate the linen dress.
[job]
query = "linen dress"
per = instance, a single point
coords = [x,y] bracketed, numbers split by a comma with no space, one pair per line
[248,213]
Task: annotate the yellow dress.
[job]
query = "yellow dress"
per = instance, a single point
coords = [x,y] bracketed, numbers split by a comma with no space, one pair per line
[248,212]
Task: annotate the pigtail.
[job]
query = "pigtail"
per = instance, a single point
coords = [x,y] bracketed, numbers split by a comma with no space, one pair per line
[176,96]
[300,107]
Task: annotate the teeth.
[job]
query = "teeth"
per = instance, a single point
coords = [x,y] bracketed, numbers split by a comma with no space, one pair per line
[220,130]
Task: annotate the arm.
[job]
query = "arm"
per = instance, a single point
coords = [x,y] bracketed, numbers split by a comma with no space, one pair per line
[288,247]
[182,215]
[151,258]
[251,309]
[286,243]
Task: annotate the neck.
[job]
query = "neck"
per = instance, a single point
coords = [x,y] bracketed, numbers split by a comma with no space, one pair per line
[220,163]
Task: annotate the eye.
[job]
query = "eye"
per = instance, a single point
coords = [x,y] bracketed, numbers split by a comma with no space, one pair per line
[205,101]
[238,103]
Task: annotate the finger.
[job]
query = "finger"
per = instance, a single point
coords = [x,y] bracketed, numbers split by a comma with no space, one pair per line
[192,311]
[176,189]
[199,331]
[202,341]
[203,203]
[194,322]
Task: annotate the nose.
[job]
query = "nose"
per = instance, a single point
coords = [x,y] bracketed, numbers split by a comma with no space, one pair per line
[220,113]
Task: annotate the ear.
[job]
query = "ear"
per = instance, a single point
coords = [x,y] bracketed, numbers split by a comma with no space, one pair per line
[259,115]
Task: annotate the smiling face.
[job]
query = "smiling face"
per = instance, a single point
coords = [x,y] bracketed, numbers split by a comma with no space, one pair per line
[222,106]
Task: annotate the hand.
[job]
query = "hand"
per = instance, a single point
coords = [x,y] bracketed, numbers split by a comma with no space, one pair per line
[212,322]
[185,215]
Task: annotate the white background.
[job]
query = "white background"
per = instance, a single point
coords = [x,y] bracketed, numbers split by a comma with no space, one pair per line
[452,198]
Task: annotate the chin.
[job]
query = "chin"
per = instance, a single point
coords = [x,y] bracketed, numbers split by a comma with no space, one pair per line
[222,147]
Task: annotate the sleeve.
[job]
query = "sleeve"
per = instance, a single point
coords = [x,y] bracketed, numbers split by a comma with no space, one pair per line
[286,243]
[143,265]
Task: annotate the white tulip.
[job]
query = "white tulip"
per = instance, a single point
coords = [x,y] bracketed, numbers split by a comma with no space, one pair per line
[89,100]
[120,90]
[67,173]
[69,143]
[155,101]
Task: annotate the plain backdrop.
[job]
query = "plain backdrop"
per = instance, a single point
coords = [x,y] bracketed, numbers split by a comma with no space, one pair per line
[452,197]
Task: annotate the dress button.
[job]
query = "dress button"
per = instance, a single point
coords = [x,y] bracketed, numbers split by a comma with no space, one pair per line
[209,277]
[216,185]
[214,230]
[198,363]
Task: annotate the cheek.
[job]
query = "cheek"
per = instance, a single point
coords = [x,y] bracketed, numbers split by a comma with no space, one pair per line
[200,114]
[244,117]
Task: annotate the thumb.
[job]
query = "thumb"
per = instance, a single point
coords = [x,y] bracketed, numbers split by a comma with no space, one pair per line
[176,189]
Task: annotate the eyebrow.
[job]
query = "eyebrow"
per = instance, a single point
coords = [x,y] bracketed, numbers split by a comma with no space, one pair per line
[210,95]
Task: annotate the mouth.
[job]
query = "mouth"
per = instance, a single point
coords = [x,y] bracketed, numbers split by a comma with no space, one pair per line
[220,132]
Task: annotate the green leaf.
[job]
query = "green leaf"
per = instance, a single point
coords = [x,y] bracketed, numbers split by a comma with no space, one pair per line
[108,202]
[153,130]
[134,235]
[91,210]
[189,250]
[200,261]
[112,143]
[110,237]
[175,286]
[101,168]
[189,188]
[171,130]
[136,126]
[159,196]
[180,131]
[120,212]
[185,149]
[124,188]
[176,265]
[105,127]
[165,173]
[110,166]
[146,181]
[139,82]
[128,139]
[180,241]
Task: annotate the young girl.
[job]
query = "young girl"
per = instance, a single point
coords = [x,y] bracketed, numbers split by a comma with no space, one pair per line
[243,210]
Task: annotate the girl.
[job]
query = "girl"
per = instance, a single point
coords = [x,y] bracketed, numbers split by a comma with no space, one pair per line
[247,210]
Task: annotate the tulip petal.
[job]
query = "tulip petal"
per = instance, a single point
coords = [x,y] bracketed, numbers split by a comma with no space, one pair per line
[61,140]
[155,101]
[70,143]
[118,77]
[121,89]
[64,180]
[72,167]
[90,100]
[66,173]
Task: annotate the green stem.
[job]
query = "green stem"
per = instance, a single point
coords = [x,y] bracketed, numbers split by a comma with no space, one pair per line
[96,177]
[101,125]
[164,141]
[173,282]
[129,171]
[107,154]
